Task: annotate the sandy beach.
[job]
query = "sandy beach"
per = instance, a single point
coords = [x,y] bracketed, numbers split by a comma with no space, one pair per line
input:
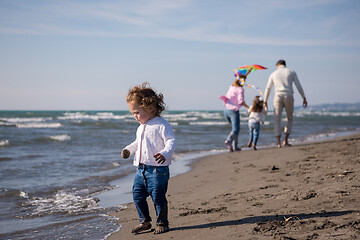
[307,191]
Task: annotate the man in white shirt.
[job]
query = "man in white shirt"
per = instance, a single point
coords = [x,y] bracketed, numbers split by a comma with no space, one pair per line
[282,79]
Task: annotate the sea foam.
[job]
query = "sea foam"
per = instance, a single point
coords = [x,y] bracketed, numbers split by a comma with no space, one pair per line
[39,125]
[23,120]
[96,117]
[62,201]
[4,143]
[61,138]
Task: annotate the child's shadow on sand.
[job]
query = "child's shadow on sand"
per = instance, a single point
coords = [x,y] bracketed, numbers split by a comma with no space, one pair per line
[251,220]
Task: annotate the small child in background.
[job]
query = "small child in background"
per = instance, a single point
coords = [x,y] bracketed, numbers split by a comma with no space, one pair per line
[153,148]
[256,116]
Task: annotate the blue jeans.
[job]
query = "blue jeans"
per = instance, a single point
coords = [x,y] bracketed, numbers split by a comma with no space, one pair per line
[254,128]
[151,181]
[234,118]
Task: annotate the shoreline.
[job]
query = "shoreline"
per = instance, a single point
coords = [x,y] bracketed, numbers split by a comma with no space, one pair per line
[122,192]
[230,195]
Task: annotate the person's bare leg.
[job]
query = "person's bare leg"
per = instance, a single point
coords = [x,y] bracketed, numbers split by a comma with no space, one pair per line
[286,142]
[278,141]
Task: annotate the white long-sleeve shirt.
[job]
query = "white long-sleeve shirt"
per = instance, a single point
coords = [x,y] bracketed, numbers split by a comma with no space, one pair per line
[283,79]
[257,116]
[155,136]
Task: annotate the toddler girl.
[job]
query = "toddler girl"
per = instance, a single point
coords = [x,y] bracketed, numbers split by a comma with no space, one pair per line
[256,116]
[153,147]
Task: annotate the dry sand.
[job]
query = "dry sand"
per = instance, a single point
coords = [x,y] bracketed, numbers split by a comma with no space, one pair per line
[307,191]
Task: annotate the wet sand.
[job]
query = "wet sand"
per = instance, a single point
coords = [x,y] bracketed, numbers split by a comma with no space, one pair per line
[307,191]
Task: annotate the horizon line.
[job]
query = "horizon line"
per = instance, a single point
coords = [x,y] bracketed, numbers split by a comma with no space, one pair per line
[120,110]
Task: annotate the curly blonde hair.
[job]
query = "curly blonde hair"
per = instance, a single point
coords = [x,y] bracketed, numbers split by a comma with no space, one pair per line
[147,98]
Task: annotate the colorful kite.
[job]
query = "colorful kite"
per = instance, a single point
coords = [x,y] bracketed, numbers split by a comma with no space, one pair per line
[245,70]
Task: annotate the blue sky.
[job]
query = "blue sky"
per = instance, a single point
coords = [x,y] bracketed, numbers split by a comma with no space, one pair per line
[85,55]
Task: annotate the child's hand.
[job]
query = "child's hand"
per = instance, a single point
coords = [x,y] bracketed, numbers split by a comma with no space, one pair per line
[125,153]
[159,158]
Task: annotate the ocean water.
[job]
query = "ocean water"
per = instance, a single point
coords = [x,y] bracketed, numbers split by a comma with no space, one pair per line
[61,171]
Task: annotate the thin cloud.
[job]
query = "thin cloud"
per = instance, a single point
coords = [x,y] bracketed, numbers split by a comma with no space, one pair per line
[161,19]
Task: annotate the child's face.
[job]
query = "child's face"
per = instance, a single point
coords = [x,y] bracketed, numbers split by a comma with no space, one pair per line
[140,114]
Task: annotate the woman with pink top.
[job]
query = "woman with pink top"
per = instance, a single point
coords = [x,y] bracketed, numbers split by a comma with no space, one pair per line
[233,100]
